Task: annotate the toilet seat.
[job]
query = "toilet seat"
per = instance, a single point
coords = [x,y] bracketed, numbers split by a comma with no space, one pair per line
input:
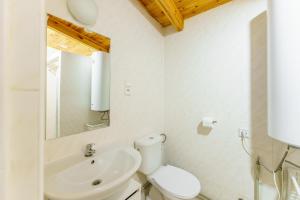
[175,181]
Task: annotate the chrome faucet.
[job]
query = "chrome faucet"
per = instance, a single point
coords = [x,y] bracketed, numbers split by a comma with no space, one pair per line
[90,150]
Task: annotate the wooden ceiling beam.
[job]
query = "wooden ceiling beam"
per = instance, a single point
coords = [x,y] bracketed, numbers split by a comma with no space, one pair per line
[94,40]
[171,11]
[60,41]
[167,12]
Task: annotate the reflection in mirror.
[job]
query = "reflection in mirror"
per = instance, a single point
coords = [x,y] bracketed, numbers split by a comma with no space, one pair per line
[78,85]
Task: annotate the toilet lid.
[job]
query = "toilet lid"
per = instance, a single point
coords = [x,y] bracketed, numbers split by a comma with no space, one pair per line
[177,182]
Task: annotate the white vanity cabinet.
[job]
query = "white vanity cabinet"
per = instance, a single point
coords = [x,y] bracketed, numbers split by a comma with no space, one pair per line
[132,192]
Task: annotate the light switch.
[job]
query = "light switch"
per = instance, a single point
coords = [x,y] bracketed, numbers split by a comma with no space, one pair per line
[127,89]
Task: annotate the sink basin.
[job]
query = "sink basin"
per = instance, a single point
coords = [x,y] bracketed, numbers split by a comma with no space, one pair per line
[95,178]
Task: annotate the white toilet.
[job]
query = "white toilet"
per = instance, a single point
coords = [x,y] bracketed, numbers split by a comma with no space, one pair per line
[172,183]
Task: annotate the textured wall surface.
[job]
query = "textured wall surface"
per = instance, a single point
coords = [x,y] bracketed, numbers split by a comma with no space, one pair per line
[75,94]
[2,133]
[137,57]
[216,68]
[22,96]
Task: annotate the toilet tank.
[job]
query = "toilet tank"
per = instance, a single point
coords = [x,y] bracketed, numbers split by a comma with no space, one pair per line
[150,148]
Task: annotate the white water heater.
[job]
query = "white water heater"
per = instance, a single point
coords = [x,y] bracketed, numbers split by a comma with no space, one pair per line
[284,71]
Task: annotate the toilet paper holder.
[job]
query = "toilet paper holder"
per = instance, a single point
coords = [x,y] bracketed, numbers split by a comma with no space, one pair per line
[164,137]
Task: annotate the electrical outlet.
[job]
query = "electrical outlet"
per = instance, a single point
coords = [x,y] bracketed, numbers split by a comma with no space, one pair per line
[244,133]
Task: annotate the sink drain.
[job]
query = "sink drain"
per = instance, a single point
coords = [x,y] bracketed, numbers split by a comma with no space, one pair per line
[97,182]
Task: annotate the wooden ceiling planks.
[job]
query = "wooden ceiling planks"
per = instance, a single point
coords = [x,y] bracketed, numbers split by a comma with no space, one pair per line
[60,41]
[199,6]
[187,9]
[90,39]
[156,12]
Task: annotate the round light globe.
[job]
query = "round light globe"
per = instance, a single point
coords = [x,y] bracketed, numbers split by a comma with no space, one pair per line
[84,11]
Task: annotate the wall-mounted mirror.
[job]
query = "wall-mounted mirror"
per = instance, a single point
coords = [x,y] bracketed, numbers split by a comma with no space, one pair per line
[78,79]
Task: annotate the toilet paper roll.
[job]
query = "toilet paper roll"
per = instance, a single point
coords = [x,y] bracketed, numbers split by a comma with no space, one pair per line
[208,122]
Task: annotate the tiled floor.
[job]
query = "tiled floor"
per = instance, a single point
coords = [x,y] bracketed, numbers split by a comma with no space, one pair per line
[201,197]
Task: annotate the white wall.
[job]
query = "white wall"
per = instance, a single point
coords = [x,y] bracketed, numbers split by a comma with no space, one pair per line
[3,162]
[75,94]
[137,57]
[22,96]
[52,93]
[212,68]
[216,67]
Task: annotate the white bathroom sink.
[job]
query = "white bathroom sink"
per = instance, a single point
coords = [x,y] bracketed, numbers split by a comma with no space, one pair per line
[94,178]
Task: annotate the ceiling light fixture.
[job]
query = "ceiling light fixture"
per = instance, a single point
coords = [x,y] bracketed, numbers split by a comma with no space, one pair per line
[84,11]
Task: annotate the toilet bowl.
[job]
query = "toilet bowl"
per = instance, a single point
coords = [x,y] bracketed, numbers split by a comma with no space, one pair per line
[155,194]
[169,182]
[175,183]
